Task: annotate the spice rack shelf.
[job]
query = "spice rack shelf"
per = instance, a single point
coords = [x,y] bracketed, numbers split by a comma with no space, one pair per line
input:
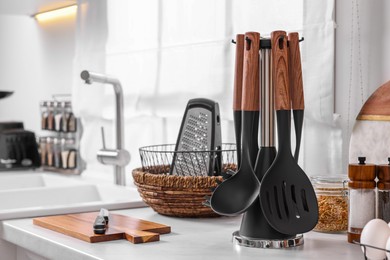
[59,147]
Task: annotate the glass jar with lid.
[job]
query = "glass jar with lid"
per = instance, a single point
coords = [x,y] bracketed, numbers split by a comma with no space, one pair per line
[44,114]
[332,197]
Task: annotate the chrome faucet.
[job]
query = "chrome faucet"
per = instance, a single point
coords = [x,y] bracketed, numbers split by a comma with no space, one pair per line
[118,157]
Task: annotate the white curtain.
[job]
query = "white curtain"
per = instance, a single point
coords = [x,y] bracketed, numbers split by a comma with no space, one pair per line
[363,64]
[87,100]
[322,140]
[167,52]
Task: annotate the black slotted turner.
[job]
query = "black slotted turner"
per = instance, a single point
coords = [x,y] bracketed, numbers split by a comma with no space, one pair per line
[287,196]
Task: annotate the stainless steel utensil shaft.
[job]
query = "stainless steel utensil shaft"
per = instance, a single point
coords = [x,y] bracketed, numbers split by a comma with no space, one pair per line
[267,116]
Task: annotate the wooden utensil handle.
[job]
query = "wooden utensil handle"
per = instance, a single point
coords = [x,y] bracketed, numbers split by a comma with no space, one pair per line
[238,72]
[295,70]
[279,56]
[250,88]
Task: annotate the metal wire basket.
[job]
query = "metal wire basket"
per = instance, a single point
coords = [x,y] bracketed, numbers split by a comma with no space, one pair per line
[159,159]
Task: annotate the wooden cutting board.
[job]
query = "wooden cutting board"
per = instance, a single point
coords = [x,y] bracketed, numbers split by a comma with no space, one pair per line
[119,227]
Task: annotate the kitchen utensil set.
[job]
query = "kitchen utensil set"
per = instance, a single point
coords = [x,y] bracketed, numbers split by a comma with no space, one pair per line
[269,186]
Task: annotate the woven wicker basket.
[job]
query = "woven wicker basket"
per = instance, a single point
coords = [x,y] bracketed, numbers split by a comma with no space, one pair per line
[179,196]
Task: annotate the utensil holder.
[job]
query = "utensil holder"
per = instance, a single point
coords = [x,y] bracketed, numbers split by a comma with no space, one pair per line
[255,230]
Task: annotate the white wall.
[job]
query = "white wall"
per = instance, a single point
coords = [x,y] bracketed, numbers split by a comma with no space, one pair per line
[374,20]
[36,62]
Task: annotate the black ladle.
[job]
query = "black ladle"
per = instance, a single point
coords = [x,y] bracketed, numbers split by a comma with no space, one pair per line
[237,194]
[287,197]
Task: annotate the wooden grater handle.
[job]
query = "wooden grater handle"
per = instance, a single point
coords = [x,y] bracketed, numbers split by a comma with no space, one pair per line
[250,88]
[295,70]
[280,76]
[238,72]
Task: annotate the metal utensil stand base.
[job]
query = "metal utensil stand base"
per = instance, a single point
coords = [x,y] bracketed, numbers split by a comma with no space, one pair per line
[294,241]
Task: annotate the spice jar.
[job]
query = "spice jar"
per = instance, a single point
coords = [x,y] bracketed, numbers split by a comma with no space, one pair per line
[56,153]
[50,116]
[44,114]
[68,153]
[66,113]
[49,152]
[383,210]
[43,150]
[332,197]
[361,197]
[58,116]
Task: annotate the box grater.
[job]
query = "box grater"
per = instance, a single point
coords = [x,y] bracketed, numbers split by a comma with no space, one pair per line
[199,140]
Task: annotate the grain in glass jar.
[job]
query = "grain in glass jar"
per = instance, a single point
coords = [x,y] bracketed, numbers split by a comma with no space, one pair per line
[332,197]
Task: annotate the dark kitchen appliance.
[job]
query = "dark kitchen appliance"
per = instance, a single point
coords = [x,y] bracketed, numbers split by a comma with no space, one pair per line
[18,147]
[200,131]
[4,94]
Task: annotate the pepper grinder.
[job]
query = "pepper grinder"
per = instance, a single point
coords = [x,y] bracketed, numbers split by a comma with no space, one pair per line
[361,197]
[383,173]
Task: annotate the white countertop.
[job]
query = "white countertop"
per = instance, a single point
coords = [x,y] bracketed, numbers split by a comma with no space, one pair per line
[209,238]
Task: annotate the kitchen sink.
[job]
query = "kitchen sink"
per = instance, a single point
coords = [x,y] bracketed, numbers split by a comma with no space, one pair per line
[39,194]
[22,180]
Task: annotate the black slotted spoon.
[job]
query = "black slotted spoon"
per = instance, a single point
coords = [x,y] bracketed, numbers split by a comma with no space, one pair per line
[287,196]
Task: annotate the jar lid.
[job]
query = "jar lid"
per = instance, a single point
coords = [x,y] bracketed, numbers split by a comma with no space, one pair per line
[43,103]
[66,104]
[362,171]
[383,172]
[330,182]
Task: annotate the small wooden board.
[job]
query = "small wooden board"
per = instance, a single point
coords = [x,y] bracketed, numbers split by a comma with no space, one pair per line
[119,227]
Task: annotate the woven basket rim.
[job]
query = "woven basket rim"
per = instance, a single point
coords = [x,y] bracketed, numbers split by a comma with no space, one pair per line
[149,149]
[139,171]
